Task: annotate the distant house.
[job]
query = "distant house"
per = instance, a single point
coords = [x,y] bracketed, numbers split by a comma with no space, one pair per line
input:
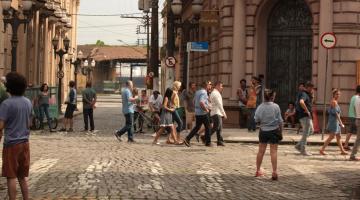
[114,65]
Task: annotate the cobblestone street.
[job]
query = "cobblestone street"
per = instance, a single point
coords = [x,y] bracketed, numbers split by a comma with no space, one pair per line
[81,166]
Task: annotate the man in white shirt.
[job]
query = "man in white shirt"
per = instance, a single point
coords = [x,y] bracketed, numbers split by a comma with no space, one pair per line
[217,112]
[357,123]
[155,103]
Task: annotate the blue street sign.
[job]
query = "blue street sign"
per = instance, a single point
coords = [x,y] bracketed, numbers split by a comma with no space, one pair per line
[198,46]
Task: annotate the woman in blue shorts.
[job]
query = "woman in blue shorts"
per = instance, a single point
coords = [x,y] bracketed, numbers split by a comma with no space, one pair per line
[268,114]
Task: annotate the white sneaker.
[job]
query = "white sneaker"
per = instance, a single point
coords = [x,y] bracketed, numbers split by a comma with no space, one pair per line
[305,153]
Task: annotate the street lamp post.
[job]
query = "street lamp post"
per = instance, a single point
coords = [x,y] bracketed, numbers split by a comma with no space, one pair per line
[77,65]
[93,64]
[11,16]
[60,53]
[89,69]
[118,69]
[186,26]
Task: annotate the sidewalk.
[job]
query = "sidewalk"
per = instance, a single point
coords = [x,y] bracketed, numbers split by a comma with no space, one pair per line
[289,137]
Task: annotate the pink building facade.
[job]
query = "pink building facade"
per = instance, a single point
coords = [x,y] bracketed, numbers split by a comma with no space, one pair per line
[281,40]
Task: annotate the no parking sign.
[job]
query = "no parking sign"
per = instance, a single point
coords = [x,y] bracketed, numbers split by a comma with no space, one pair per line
[328,40]
[170,61]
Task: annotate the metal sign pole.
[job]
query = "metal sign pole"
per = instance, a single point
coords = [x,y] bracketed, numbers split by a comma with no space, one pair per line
[188,70]
[324,109]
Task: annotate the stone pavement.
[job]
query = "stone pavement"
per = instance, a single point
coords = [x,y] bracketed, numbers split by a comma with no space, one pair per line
[290,136]
[80,165]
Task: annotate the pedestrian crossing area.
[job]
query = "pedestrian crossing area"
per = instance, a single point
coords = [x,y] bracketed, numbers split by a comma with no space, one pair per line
[74,167]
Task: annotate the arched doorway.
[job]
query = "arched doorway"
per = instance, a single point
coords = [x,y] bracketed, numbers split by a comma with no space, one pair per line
[289,49]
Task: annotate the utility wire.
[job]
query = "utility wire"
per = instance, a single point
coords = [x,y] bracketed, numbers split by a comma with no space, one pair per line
[107,30]
[131,46]
[112,25]
[107,15]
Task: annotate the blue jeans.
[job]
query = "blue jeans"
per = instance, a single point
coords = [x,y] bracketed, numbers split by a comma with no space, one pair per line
[88,113]
[217,120]
[129,121]
[44,108]
[251,120]
[308,129]
[177,119]
[201,120]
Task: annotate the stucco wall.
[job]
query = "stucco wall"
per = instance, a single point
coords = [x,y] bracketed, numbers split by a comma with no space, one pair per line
[339,16]
[35,54]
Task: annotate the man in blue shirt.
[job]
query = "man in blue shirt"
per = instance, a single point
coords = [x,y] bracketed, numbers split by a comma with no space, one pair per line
[303,112]
[15,117]
[128,111]
[201,114]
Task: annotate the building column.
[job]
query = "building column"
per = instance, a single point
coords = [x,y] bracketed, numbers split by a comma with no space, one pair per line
[36,44]
[239,47]
[53,65]
[2,47]
[46,63]
[325,25]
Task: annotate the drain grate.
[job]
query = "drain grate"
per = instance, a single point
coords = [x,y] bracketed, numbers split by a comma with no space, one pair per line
[194,150]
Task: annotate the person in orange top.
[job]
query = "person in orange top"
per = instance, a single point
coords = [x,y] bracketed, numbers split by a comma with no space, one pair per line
[252,102]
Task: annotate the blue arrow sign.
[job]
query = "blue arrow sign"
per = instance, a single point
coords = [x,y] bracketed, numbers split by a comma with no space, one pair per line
[198,46]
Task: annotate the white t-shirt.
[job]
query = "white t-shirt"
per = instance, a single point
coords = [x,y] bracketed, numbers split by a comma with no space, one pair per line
[156,103]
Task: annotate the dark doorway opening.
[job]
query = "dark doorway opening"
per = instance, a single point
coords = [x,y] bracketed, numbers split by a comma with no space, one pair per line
[289,50]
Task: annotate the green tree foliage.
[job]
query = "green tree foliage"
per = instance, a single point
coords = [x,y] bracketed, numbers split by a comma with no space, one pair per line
[100,43]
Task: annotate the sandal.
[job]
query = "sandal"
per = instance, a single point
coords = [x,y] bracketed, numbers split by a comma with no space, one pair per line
[259,174]
[347,148]
[354,159]
[344,153]
[322,152]
[169,142]
[274,176]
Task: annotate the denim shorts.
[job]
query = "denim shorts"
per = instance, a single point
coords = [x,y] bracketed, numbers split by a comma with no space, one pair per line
[269,137]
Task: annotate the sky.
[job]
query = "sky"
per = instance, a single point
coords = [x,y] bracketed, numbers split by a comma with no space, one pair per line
[110,29]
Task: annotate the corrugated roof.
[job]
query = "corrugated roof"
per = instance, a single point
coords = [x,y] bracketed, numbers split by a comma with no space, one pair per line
[104,53]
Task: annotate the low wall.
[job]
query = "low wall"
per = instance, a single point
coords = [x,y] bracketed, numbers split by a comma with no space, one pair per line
[233,117]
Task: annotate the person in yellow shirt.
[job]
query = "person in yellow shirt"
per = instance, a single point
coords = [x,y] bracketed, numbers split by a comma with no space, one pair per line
[176,114]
